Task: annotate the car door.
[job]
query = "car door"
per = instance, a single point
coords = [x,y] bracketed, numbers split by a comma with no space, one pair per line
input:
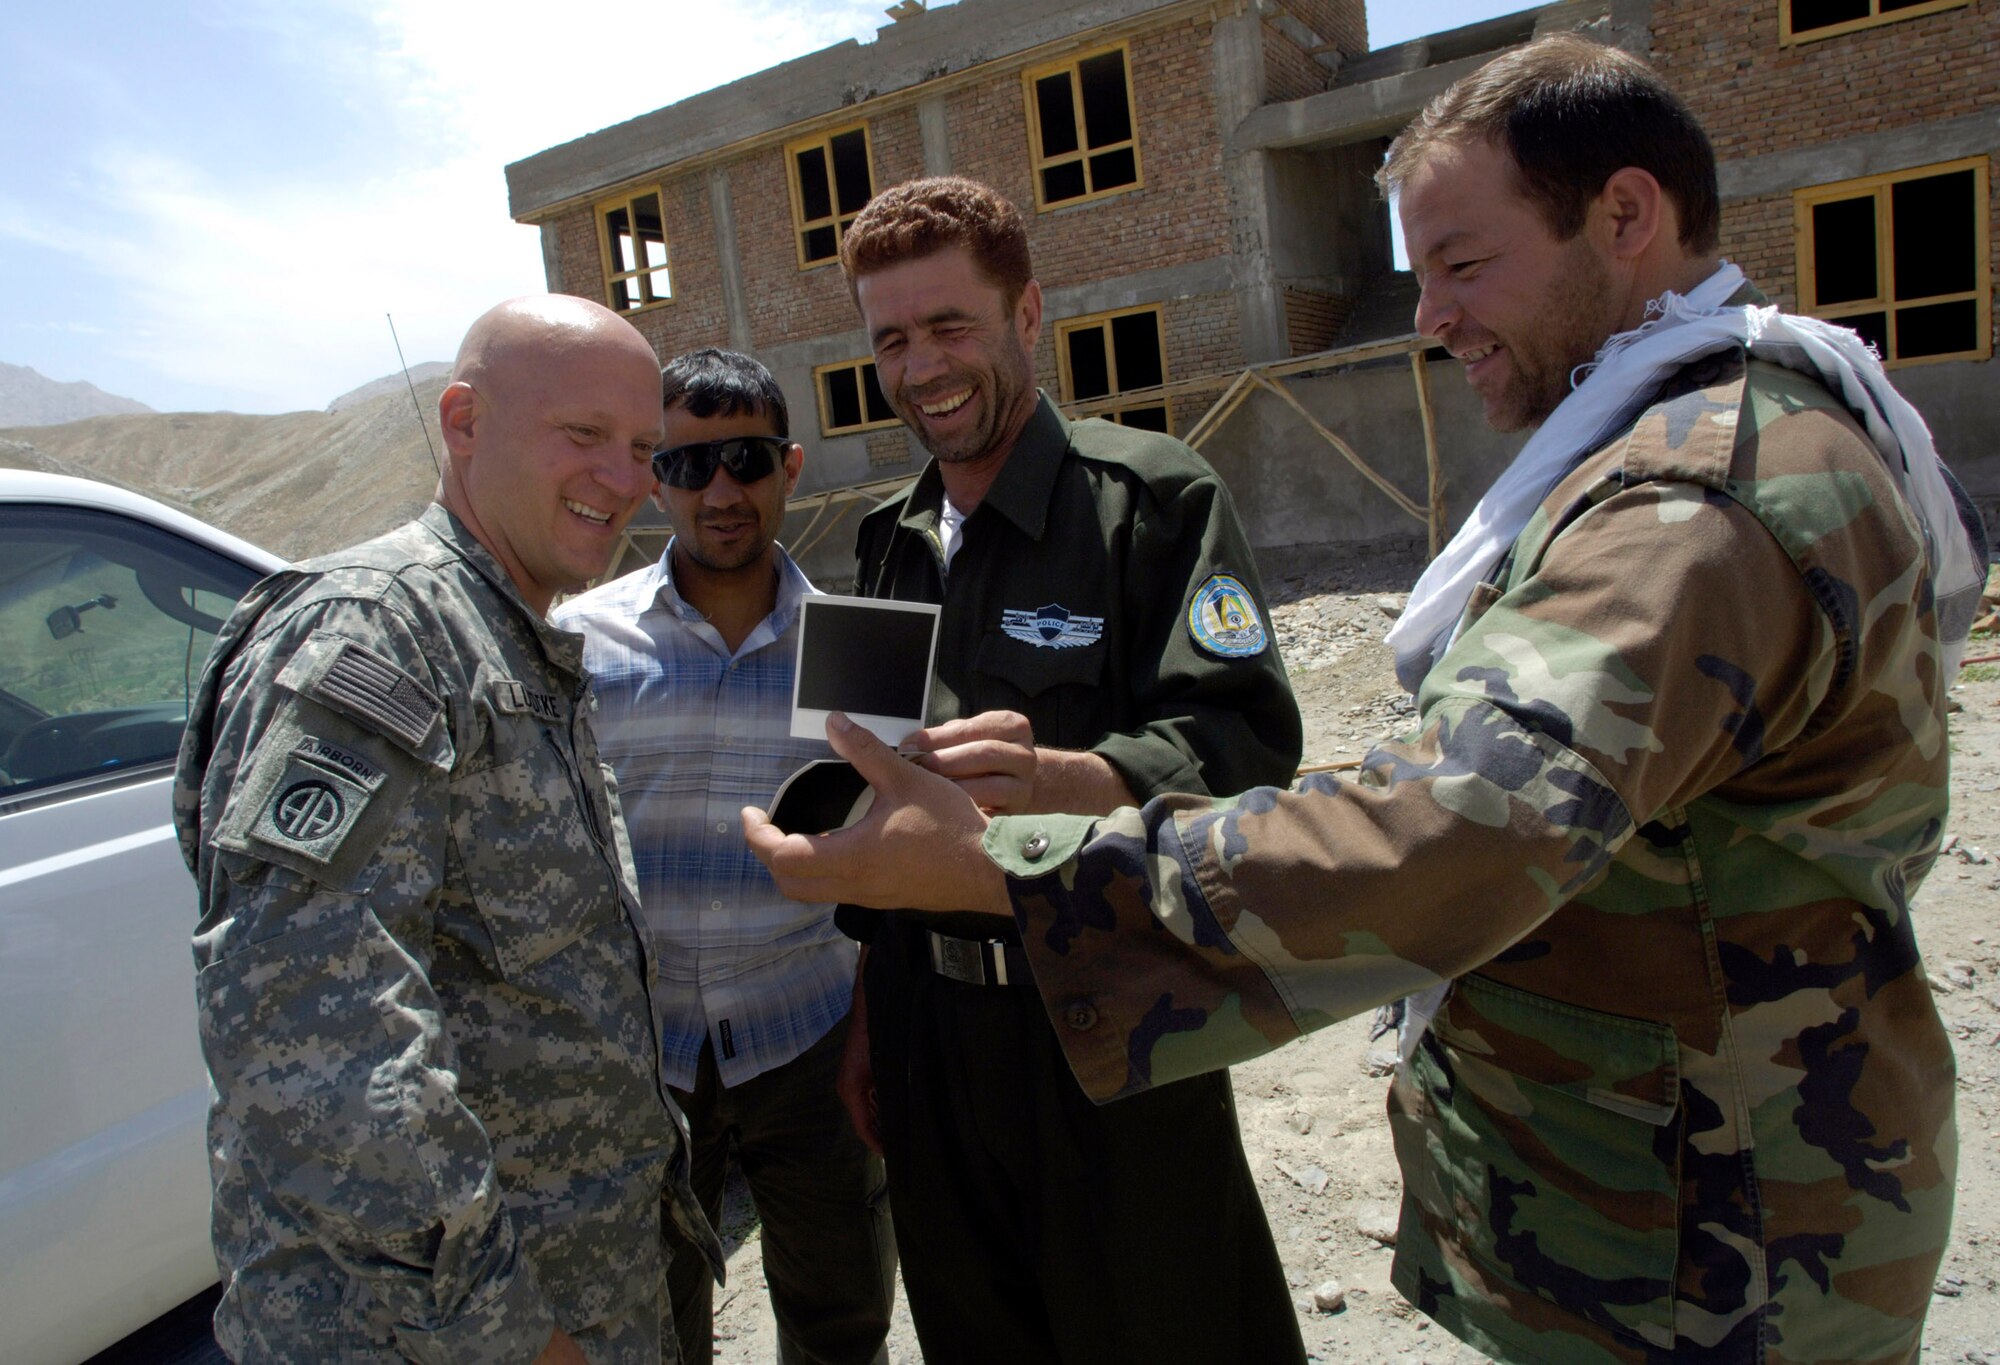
[105,620]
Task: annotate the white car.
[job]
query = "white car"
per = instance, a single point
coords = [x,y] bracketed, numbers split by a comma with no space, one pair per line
[108,604]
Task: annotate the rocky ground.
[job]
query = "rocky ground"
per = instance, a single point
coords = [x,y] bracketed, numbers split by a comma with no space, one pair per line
[1312,1113]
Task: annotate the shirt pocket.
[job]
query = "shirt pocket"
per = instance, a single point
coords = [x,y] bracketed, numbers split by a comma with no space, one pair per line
[1056,688]
[1553,1136]
[533,862]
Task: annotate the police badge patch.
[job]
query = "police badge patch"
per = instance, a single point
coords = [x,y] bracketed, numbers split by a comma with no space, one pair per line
[1052,627]
[1223,619]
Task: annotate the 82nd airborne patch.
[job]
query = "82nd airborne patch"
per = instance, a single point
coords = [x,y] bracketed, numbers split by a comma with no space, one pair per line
[318,799]
[1222,619]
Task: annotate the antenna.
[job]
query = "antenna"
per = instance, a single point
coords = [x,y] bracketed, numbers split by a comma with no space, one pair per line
[421,425]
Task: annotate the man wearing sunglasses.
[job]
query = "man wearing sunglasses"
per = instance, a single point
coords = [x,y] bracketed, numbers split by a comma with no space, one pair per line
[693,659]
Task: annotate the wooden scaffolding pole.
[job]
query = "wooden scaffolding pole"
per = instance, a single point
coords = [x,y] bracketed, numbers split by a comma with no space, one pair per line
[1420,370]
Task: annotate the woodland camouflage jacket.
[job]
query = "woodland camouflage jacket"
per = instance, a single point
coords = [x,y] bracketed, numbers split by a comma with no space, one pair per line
[1688,1098]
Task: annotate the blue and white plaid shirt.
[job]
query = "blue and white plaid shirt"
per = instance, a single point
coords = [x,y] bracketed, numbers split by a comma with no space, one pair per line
[695,734]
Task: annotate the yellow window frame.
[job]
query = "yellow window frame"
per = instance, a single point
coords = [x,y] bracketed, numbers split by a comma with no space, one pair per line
[838,221]
[1885,301]
[637,282]
[1043,161]
[1875,18]
[1069,327]
[826,423]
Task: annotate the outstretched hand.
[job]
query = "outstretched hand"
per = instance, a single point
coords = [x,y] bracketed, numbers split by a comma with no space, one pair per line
[916,849]
[991,756]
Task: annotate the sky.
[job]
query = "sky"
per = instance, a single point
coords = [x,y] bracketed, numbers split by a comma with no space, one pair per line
[217,204]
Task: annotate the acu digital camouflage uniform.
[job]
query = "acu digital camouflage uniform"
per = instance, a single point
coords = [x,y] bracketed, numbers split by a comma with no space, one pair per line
[438,1128]
[1688,1099]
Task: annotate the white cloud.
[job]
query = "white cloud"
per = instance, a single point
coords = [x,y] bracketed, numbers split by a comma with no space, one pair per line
[272,288]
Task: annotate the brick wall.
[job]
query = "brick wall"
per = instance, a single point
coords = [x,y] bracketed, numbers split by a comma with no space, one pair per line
[1757,235]
[699,314]
[1290,72]
[1180,214]
[580,255]
[1341,22]
[785,302]
[1756,97]
[1313,319]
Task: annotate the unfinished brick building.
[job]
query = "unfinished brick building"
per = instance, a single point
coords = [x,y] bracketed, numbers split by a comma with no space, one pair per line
[1197,179]
[717,220]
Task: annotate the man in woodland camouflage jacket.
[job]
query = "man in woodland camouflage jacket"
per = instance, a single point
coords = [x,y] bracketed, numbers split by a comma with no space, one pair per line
[439,1129]
[1675,1089]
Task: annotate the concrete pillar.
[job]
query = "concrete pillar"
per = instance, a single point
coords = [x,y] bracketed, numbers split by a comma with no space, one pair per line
[723,210]
[552,258]
[937,135]
[1239,89]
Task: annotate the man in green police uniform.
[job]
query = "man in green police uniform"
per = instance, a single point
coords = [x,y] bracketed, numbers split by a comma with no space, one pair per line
[1101,642]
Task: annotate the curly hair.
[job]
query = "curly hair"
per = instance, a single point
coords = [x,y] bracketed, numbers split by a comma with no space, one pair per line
[919,218]
[1570,113]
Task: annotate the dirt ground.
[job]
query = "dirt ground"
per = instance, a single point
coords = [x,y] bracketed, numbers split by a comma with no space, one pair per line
[1312,1113]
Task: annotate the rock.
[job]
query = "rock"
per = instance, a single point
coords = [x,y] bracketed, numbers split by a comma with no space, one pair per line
[1949,1286]
[1330,1297]
[1380,1061]
[1301,1121]
[1391,604]
[1377,1222]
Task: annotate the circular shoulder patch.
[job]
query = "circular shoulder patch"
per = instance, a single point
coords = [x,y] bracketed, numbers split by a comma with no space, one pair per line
[1223,619]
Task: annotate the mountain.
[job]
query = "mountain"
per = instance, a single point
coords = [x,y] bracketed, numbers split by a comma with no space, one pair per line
[298,483]
[391,383]
[28,399]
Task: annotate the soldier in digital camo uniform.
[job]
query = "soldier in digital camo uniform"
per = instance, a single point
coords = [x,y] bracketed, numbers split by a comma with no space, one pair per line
[439,1131]
[1675,1089]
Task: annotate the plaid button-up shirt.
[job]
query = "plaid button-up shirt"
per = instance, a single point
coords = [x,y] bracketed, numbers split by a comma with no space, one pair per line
[694,734]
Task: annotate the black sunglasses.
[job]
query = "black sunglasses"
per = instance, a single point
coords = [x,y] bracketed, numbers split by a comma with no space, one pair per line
[747,458]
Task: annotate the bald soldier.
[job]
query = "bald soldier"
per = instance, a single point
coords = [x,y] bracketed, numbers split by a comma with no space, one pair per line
[1674,1088]
[439,1129]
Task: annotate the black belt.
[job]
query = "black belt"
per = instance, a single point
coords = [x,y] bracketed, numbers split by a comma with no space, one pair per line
[978,962]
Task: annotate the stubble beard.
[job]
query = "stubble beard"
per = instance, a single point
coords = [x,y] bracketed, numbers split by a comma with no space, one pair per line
[1000,397]
[1577,324]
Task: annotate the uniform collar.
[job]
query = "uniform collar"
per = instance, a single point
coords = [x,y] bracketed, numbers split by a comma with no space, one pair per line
[563,647]
[1020,491]
[666,595]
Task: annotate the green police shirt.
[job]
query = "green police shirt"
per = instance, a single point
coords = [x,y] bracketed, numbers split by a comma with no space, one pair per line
[1105,590]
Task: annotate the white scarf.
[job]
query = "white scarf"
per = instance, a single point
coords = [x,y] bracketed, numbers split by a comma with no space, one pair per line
[1613,389]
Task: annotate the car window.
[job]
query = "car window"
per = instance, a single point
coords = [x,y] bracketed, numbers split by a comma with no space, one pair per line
[104,624]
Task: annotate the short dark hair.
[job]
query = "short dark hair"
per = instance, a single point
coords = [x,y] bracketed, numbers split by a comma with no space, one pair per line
[1570,113]
[713,381]
[920,218]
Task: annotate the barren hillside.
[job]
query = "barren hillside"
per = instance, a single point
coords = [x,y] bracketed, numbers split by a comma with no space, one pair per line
[297,483]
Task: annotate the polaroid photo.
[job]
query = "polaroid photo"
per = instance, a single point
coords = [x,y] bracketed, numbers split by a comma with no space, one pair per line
[867,657]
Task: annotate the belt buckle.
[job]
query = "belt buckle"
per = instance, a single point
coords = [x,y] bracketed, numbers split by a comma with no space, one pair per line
[966,960]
